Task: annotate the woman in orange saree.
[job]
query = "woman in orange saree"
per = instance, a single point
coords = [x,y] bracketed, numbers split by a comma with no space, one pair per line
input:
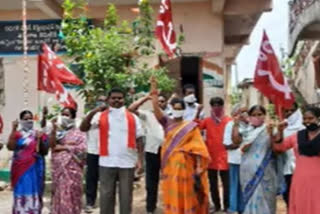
[184,162]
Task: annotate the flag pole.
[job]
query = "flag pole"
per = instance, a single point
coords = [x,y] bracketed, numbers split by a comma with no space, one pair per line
[39,100]
[25,55]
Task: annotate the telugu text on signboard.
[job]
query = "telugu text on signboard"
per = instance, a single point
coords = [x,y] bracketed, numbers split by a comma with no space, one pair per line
[41,31]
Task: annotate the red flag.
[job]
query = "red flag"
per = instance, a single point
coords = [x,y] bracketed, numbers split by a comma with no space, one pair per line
[269,79]
[46,82]
[51,67]
[52,73]
[65,98]
[164,30]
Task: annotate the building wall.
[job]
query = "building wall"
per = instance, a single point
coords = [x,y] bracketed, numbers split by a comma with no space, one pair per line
[305,79]
[204,35]
[202,29]
[214,69]
[201,36]
[251,96]
[14,97]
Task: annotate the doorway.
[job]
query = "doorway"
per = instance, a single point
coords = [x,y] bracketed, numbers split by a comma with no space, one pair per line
[191,74]
[186,70]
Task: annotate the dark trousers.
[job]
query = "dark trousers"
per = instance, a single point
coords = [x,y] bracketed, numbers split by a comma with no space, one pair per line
[109,176]
[214,187]
[92,178]
[286,194]
[152,179]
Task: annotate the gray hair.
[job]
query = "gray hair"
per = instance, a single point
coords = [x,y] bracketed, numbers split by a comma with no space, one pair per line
[236,108]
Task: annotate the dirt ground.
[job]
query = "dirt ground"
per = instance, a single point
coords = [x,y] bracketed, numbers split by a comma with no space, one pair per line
[138,204]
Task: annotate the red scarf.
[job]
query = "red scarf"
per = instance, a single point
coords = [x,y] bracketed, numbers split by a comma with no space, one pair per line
[217,114]
[104,132]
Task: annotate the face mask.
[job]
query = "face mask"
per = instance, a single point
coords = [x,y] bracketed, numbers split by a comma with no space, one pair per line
[312,127]
[256,121]
[243,124]
[26,125]
[190,99]
[99,103]
[177,113]
[217,111]
[66,122]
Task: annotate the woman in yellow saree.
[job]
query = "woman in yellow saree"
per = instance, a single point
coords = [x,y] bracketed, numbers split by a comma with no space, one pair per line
[184,162]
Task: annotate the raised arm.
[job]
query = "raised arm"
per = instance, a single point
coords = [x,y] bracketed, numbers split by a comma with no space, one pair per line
[53,140]
[228,137]
[279,144]
[278,137]
[52,137]
[236,136]
[285,144]
[199,112]
[43,143]
[43,122]
[154,94]
[86,122]
[12,137]
[136,105]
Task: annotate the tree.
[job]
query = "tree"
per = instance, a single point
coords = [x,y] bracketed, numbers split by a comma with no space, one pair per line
[235,96]
[109,55]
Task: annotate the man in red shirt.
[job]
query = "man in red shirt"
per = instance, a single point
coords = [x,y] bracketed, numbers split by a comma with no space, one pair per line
[214,127]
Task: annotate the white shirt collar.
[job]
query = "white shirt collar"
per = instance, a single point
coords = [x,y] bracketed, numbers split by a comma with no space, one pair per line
[117,110]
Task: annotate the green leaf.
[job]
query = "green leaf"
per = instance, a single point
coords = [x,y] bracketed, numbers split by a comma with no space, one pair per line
[109,56]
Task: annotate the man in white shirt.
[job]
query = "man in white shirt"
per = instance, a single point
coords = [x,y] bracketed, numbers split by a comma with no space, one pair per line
[120,151]
[191,103]
[92,173]
[154,139]
[234,131]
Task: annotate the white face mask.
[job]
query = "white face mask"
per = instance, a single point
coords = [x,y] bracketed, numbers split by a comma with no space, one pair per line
[26,125]
[65,122]
[177,113]
[190,98]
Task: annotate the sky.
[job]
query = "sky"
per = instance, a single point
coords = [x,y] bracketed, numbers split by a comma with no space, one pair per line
[276,25]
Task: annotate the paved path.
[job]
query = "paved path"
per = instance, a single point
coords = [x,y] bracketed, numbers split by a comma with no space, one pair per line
[139,202]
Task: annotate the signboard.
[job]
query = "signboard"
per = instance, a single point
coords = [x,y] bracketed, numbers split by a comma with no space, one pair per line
[212,75]
[39,31]
[212,79]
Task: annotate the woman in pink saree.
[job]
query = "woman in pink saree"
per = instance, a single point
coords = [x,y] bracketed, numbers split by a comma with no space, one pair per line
[68,159]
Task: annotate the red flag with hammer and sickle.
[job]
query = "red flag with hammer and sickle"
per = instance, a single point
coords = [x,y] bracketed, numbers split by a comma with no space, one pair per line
[52,74]
[269,79]
[164,29]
